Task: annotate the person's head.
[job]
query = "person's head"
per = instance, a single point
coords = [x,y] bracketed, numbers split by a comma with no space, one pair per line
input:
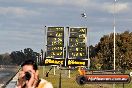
[29,66]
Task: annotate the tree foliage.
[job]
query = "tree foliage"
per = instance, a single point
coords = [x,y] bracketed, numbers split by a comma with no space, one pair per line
[5,59]
[18,56]
[104,51]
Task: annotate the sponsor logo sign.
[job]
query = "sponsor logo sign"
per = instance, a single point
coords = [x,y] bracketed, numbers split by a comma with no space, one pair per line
[108,78]
[76,62]
[54,61]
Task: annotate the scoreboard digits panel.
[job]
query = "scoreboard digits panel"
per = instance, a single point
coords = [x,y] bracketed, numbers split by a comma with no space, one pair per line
[77,43]
[55,42]
[52,48]
[78,30]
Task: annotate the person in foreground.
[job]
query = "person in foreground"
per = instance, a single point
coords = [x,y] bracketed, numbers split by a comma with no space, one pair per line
[28,77]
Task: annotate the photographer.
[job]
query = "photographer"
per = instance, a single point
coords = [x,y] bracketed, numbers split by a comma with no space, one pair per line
[28,77]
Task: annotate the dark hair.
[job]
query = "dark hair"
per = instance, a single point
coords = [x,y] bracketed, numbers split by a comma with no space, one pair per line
[30,62]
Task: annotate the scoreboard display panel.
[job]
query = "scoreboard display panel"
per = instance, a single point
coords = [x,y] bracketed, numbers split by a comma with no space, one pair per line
[55,42]
[77,43]
[72,53]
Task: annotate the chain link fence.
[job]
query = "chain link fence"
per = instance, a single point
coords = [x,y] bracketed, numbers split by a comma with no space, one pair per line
[62,79]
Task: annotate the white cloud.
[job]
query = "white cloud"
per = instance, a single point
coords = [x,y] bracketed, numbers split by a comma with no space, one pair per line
[119,7]
[16,11]
[61,2]
[122,7]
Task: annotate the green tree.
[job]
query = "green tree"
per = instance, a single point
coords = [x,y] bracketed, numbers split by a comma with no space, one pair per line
[104,51]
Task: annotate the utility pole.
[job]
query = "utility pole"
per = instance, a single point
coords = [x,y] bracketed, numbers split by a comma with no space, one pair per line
[114,33]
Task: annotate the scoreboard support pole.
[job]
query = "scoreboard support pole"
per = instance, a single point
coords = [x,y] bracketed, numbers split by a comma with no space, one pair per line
[54,70]
[43,67]
[69,73]
[69,76]
[88,43]
[44,48]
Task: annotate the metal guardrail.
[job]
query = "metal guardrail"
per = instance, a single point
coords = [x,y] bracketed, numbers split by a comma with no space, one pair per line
[12,82]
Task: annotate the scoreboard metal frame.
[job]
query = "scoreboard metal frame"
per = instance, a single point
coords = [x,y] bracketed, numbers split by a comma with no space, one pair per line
[54,46]
[66,46]
[77,52]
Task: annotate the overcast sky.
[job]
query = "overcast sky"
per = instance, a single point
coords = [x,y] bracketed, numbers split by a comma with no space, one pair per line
[22,21]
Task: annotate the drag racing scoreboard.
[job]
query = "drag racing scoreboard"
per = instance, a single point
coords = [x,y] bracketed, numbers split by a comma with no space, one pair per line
[66,46]
[77,46]
[55,46]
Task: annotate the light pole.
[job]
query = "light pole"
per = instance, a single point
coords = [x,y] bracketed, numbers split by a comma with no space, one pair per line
[114,33]
[114,37]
